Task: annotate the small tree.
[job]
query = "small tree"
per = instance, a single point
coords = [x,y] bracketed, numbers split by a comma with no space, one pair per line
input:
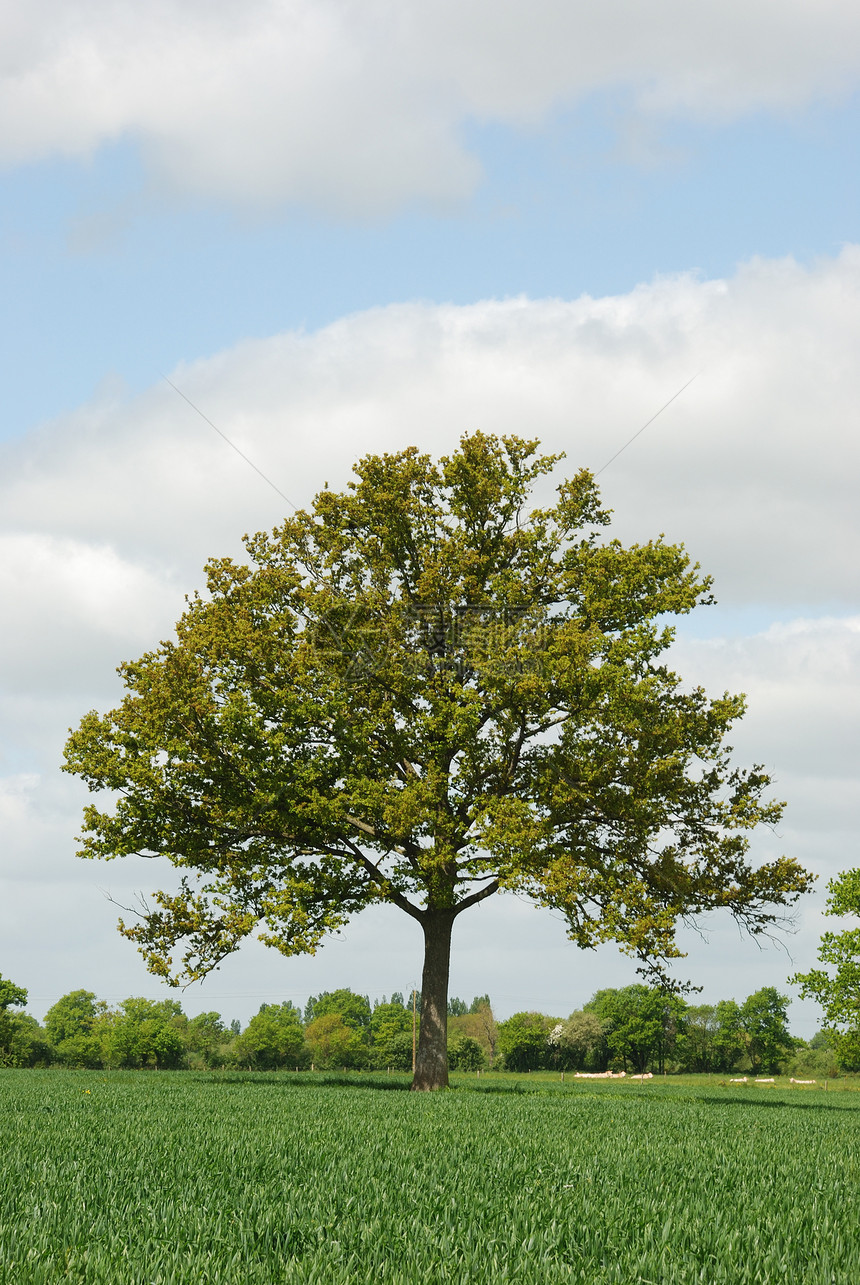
[27,1045]
[70,1026]
[388,1023]
[582,1041]
[22,1041]
[354,1009]
[11,996]
[208,1039]
[398,1054]
[466,1054]
[332,1043]
[635,1020]
[729,1041]
[523,1041]
[763,1018]
[838,992]
[478,1024]
[273,1038]
[425,692]
[143,1033]
[484,1027]
[696,1047]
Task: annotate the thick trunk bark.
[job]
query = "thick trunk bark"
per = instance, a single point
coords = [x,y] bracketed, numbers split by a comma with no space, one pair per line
[431,1060]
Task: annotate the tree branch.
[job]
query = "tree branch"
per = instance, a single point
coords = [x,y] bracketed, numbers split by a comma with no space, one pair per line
[368,829]
[475,897]
[391,893]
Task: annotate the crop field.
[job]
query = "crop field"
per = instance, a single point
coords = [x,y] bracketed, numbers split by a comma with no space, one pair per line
[147,1178]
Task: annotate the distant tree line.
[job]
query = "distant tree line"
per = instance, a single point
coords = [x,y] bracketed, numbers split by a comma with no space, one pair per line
[338,1029]
[634,1028]
[640,1028]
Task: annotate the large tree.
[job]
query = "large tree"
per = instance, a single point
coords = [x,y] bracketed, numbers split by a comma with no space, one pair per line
[425,692]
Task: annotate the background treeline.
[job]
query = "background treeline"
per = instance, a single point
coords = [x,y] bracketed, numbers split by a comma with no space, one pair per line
[337,1029]
[634,1028]
[640,1028]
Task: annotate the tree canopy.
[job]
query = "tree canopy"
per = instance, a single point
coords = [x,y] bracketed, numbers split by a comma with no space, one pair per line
[273,1038]
[353,1009]
[425,692]
[764,1025]
[11,996]
[838,991]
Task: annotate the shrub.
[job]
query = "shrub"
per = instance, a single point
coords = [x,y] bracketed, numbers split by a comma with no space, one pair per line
[466,1054]
[331,1043]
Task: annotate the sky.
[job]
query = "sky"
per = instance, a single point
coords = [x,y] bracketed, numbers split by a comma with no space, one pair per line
[340,228]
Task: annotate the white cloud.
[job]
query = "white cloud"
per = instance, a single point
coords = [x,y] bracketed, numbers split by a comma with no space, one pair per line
[58,592]
[109,513]
[359,107]
[802,683]
[802,679]
[755,466]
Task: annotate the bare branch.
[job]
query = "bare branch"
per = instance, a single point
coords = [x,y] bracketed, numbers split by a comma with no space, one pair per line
[378,877]
[481,895]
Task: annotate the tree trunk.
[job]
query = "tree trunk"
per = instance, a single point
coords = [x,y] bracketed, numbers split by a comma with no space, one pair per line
[431,1060]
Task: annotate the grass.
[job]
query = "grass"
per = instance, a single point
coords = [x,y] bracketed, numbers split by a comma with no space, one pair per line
[139,1178]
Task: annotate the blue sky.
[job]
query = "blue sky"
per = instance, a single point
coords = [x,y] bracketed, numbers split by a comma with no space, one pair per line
[343,228]
[104,280]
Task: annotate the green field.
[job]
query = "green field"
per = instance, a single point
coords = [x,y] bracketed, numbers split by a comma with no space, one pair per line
[151,1178]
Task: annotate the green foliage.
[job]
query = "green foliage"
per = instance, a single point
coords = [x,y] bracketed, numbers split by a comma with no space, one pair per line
[640,1025]
[426,691]
[763,1021]
[466,1054]
[142,1032]
[208,1040]
[523,1041]
[10,1024]
[138,1177]
[11,996]
[580,1042]
[354,1009]
[710,1038]
[838,991]
[273,1038]
[71,1029]
[729,1044]
[478,1024]
[457,1007]
[695,1047]
[331,1043]
[388,1023]
[810,1063]
[398,1052]
[635,1026]
[24,1043]
[73,1014]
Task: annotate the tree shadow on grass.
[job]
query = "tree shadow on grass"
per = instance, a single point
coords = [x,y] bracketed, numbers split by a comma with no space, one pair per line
[493,1088]
[334,1080]
[775,1104]
[293,1080]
